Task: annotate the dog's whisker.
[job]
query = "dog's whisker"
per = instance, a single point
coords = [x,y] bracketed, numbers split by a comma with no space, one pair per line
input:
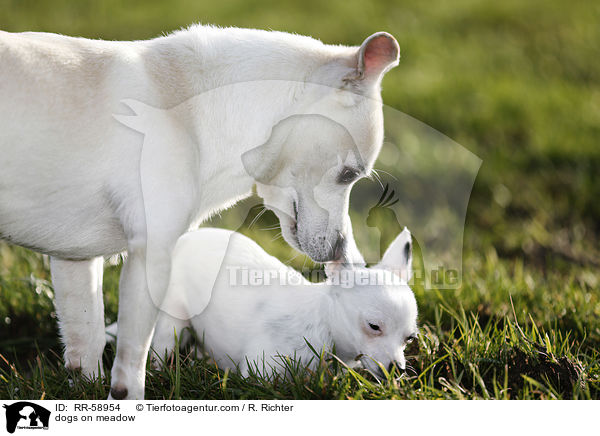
[277,236]
[291,259]
[304,264]
[257,217]
[271,228]
[377,177]
[389,174]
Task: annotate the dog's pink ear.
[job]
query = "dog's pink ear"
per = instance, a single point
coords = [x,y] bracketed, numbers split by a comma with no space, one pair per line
[378,53]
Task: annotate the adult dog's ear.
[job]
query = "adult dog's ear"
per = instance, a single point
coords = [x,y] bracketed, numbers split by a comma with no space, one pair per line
[398,256]
[262,163]
[379,53]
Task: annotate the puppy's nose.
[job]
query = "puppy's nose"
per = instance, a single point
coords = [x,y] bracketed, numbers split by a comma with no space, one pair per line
[399,368]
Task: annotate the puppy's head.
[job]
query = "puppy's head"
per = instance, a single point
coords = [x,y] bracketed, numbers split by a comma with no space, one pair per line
[307,167]
[375,309]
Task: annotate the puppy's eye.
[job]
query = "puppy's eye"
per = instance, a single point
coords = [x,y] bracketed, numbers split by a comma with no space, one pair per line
[411,338]
[347,176]
[375,327]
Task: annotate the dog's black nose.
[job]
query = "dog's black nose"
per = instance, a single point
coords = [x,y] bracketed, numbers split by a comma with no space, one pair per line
[399,369]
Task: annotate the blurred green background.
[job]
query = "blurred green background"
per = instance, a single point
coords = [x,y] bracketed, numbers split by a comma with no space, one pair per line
[516,83]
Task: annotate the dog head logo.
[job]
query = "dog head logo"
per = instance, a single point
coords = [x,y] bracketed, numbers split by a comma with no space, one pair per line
[26,415]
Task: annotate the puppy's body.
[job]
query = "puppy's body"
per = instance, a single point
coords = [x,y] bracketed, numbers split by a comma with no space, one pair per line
[77,184]
[242,321]
[254,309]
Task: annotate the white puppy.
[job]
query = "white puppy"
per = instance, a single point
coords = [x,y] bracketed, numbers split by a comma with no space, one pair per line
[257,310]
[300,119]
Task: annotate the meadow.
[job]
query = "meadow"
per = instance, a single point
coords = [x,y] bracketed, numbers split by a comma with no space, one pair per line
[515,83]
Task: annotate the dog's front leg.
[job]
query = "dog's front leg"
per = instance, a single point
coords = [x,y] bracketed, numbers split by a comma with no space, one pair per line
[153,218]
[80,310]
[142,289]
[137,317]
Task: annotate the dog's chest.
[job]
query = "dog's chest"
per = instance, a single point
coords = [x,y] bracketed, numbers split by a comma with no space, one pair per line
[221,182]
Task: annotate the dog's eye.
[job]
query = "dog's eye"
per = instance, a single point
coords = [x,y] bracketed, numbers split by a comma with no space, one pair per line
[374,327]
[347,176]
[411,338]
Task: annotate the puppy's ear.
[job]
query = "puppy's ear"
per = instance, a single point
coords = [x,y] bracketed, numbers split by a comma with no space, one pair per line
[378,54]
[262,163]
[398,256]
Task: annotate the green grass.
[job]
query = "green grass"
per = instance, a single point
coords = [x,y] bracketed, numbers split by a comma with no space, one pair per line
[466,349]
[518,84]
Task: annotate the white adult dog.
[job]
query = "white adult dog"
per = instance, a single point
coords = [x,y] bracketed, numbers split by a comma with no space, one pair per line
[71,175]
[256,310]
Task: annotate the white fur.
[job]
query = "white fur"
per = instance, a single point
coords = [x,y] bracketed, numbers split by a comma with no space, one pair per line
[70,173]
[258,322]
